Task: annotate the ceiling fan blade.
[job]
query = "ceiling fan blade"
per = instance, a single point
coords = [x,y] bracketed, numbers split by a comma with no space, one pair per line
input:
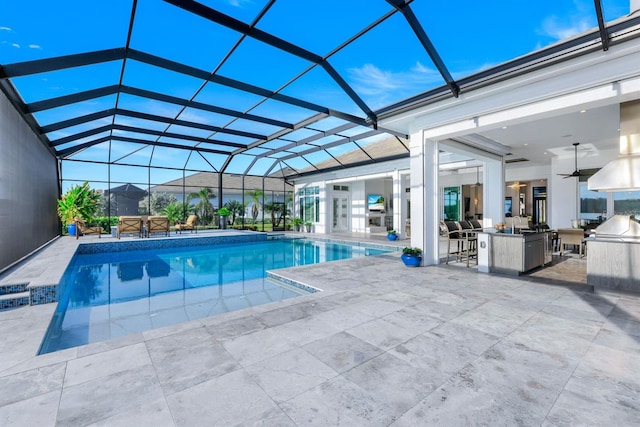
[576,172]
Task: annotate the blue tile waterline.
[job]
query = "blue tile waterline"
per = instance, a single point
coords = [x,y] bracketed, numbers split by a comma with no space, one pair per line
[140,285]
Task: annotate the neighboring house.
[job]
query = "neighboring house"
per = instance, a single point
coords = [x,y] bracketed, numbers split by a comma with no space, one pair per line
[125,199]
[234,187]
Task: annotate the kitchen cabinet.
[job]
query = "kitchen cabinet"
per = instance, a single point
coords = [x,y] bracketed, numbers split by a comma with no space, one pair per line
[518,253]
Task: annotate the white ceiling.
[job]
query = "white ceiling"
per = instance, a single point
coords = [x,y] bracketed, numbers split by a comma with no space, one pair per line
[596,129]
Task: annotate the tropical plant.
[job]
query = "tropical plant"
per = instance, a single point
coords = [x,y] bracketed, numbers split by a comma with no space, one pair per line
[277,210]
[204,208]
[412,251]
[392,232]
[255,195]
[173,211]
[79,201]
[223,211]
[236,208]
[297,221]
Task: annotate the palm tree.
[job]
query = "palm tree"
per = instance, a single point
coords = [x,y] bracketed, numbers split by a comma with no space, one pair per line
[255,196]
[275,208]
[236,208]
[204,208]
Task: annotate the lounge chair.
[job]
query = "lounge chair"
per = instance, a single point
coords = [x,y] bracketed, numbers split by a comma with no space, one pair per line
[191,224]
[83,228]
[157,224]
[129,224]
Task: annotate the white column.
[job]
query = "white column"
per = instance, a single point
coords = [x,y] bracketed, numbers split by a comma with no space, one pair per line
[493,192]
[397,202]
[424,198]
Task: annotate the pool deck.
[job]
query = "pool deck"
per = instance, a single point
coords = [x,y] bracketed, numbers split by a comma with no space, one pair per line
[382,345]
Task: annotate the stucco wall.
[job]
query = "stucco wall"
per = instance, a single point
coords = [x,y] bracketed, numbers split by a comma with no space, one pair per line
[28,188]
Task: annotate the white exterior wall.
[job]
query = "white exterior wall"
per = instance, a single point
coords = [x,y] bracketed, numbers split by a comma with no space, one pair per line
[362,181]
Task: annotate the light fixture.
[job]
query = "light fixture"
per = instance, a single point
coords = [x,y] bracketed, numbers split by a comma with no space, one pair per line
[517,185]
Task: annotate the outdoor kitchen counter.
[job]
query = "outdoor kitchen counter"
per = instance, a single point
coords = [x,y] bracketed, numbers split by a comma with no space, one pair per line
[513,253]
[610,264]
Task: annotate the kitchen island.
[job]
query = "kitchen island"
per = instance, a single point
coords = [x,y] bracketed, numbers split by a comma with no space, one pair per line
[513,253]
[612,264]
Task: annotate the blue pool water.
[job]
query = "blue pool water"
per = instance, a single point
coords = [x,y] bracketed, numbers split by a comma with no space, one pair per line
[113,294]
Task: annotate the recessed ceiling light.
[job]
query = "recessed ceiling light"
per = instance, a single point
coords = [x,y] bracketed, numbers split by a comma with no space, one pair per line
[525,144]
[583,111]
[504,127]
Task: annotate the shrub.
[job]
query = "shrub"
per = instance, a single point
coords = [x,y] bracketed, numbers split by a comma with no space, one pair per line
[412,251]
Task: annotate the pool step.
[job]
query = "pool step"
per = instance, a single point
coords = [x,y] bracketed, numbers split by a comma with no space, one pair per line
[12,289]
[15,299]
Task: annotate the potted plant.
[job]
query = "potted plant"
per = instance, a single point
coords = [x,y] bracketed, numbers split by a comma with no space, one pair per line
[392,235]
[224,212]
[80,201]
[308,225]
[411,257]
[297,222]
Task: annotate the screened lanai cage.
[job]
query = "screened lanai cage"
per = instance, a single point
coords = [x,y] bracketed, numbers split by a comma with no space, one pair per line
[177,96]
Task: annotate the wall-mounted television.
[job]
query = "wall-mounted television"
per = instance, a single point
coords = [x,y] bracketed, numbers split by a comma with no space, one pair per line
[375,202]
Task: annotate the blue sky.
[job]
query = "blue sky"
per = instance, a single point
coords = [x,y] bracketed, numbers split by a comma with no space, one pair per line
[386,65]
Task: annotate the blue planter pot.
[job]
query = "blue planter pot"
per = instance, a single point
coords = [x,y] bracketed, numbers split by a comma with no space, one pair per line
[411,260]
[71,229]
[392,236]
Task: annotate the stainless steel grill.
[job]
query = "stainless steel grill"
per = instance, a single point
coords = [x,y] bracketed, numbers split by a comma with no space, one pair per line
[619,227]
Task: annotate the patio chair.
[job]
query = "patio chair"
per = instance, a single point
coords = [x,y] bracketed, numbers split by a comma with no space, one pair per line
[571,236]
[477,225]
[157,224]
[83,228]
[190,225]
[129,224]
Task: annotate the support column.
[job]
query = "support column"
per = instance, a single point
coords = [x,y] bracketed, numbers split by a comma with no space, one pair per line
[493,192]
[424,198]
[397,203]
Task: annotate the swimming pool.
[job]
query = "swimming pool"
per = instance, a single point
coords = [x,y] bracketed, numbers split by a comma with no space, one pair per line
[105,295]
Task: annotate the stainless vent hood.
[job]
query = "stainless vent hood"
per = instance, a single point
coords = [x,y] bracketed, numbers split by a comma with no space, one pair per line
[623,173]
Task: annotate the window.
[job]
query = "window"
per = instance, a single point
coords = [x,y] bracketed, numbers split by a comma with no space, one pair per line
[452,203]
[593,204]
[310,204]
[626,203]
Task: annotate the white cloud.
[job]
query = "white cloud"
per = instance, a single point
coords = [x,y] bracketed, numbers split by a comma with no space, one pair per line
[16,45]
[5,29]
[371,80]
[35,46]
[240,3]
[554,28]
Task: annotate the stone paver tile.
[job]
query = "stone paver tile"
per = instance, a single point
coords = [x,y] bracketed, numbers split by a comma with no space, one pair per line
[342,351]
[152,414]
[394,381]
[343,318]
[257,346]
[338,402]
[25,385]
[38,411]
[223,401]
[104,397]
[285,376]
[183,360]
[103,364]
[592,401]
[306,330]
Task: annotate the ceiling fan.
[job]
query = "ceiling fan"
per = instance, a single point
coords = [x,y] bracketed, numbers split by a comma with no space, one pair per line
[576,172]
